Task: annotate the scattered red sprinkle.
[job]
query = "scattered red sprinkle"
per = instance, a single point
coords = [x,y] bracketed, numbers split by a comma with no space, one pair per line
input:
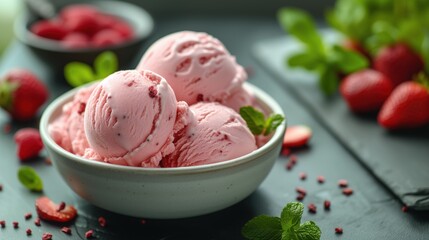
[343,183]
[15,224]
[320,179]
[302,176]
[286,151]
[152,91]
[404,208]
[61,206]
[347,191]
[102,221]
[289,165]
[28,231]
[6,128]
[327,204]
[293,158]
[27,216]
[89,233]
[143,221]
[300,197]
[48,161]
[37,222]
[66,230]
[312,208]
[301,190]
[2,223]
[47,236]
[82,107]
[338,230]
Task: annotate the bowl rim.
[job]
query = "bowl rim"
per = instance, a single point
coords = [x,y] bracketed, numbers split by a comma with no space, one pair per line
[261,96]
[145,28]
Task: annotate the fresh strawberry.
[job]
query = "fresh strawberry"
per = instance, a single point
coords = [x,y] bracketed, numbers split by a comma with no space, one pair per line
[398,62]
[365,90]
[106,38]
[49,29]
[48,210]
[406,107]
[22,94]
[296,136]
[29,144]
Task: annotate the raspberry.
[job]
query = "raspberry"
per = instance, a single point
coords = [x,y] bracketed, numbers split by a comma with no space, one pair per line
[49,29]
[29,143]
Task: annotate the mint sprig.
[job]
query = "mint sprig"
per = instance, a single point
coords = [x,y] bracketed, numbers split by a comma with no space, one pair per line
[287,227]
[327,61]
[77,73]
[257,123]
[30,179]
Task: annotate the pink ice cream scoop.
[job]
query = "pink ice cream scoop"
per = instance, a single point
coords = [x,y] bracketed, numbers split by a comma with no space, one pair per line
[197,66]
[130,119]
[218,134]
[67,130]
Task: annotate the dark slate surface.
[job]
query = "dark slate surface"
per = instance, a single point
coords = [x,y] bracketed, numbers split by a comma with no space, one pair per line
[372,212]
[399,159]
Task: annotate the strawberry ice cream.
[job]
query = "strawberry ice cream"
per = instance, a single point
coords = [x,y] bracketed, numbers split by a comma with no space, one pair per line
[68,131]
[130,119]
[218,134]
[198,67]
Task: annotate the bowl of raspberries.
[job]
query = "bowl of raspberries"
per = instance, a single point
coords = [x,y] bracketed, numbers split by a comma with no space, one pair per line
[81,31]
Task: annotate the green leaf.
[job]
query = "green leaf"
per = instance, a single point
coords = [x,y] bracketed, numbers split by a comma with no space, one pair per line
[255,119]
[307,60]
[30,179]
[77,74]
[300,24]
[272,123]
[291,215]
[105,64]
[347,61]
[308,231]
[263,228]
[289,235]
[329,80]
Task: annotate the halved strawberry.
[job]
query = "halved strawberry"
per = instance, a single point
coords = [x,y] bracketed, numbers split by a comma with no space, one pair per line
[296,136]
[49,211]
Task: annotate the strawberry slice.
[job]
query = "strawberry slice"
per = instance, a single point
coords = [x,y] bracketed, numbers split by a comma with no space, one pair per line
[296,136]
[48,210]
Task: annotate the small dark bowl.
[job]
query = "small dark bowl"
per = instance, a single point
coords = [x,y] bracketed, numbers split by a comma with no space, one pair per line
[57,56]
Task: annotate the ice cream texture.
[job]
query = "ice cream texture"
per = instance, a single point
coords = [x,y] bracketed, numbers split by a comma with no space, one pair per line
[198,67]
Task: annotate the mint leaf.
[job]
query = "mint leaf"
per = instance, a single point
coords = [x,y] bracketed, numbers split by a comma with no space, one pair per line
[300,24]
[308,231]
[291,215]
[263,228]
[30,179]
[329,80]
[105,64]
[347,61]
[77,74]
[255,119]
[272,123]
[307,60]
[289,234]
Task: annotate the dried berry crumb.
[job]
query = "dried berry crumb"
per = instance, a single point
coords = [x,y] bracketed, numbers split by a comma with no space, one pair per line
[302,176]
[61,206]
[47,236]
[293,158]
[321,179]
[343,183]
[152,91]
[327,205]
[89,234]
[66,230]
[404,208]
[28,231]
[15,224]
[286,152]
[338,230]
[102,221]
[27,216]
[37,222]
[48,161]
[312,208]
[301,190]
[2,223]
[289,165]
[300,197]
[347,191]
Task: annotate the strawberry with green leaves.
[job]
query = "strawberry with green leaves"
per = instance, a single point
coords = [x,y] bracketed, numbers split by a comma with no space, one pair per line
[407,106]
[22,94]
[366,90]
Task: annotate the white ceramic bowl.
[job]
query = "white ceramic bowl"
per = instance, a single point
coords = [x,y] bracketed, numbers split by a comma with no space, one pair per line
[164,193]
